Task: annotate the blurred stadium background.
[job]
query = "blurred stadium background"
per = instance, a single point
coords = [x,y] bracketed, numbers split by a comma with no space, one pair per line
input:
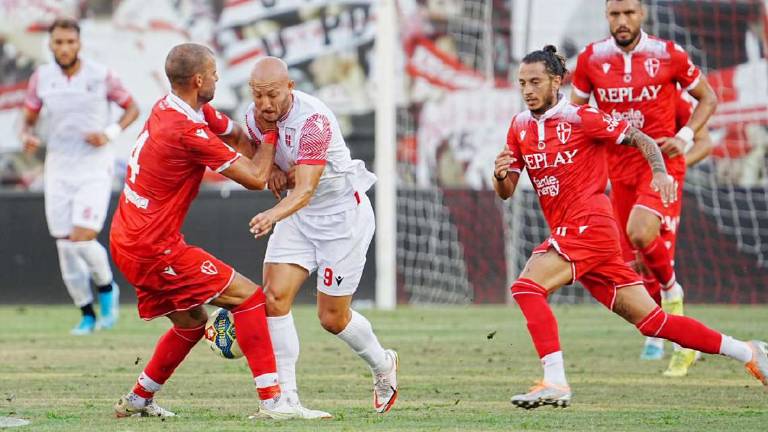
[453,76]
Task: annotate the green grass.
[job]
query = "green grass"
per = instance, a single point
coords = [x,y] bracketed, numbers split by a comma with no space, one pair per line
[452,375]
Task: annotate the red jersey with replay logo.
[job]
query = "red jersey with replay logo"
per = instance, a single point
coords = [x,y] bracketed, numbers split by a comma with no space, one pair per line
[639,87]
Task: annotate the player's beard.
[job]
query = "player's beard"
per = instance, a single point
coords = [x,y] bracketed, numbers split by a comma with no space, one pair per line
[628,42]
[69,65]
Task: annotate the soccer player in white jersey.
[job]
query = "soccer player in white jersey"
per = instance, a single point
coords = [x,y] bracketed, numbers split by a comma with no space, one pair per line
[326,224]
[76,94]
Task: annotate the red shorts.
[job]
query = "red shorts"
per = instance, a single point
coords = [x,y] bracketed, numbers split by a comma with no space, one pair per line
[627,195]
[185,278]
[592,248]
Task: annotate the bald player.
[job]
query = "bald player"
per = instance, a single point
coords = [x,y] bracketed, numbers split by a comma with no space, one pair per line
[325,224]
[173,279]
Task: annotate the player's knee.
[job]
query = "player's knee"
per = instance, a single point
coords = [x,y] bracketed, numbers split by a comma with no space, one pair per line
[641,236]
[333,320]
[278,303]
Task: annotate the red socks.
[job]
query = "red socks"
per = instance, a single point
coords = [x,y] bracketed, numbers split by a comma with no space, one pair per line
[687,332]
[170,351]
[253,337]
[542,325]
[656,258]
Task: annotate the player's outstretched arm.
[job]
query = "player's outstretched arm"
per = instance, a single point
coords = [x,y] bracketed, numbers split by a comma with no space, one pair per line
[306,177]
[702,147]
[253,173]
[504,179]
[578,100]
[239,140]
[662,182]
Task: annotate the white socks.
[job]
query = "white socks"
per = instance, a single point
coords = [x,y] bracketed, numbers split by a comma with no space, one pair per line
[653,341]
[74,272]
[95,256]
[554,369]
[735,349]
[358,334]
[285,343]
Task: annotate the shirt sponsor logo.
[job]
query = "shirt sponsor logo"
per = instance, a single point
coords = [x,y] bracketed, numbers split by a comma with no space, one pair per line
[132,197]
[545,160]
[628,94]
[635,117]
[547,186]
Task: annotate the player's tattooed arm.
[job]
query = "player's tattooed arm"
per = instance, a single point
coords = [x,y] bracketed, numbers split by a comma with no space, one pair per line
[662,182]
[648,147]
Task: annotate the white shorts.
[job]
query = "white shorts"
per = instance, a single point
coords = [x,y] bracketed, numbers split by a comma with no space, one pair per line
[71,201]
[335,245]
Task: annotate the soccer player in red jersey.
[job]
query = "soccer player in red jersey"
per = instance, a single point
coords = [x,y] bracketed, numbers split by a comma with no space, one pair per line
[174,279]
[563,147]
[634,76]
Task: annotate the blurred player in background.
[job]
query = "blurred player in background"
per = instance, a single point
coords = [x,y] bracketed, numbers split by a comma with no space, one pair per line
[172,278]
[76,94]
[563,147]
[326,224]
[634,77]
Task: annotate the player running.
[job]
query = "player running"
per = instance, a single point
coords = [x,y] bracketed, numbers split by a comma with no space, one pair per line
[634,77]
[172,278]
[77,94]
[326,224]
[563,147]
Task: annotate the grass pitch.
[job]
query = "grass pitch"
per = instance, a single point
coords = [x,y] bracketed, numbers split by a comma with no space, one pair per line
[458,368]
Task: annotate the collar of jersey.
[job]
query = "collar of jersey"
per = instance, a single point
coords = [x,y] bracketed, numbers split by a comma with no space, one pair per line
[638,47]
[294,102]
[561,102]
[179,105]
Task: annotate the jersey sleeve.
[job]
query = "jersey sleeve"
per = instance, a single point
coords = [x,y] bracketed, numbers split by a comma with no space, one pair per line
[32,99]
[218,123]
[514,146]
[601,127]
[314,140]
[581,84]
[207,149]
[116,92]
[685,72]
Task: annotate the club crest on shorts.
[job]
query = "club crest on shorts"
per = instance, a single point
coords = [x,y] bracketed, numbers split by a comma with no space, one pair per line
[208,268]
[563,131]
[652,66]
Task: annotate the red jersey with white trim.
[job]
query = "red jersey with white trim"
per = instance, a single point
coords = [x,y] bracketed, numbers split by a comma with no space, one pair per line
[639,87]
[164,172]
[310,134]
[564,152]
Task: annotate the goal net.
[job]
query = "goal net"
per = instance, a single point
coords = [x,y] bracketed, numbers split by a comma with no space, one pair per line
[458,243]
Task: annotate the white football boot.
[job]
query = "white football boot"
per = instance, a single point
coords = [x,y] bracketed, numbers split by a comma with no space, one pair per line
[125,408]
[385,385]
[542,394]
[285,408]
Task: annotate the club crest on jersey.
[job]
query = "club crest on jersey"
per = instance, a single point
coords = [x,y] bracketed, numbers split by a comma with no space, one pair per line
[652,66]
[563,131]
[209,268]
[289,133]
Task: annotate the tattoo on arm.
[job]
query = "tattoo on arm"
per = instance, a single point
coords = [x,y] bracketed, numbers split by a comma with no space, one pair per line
[649,148]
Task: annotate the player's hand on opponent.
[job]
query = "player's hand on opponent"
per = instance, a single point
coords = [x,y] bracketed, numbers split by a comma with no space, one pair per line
[278,182]
[261,224]
[96,139]
[30,142]
[671,146]
[503,160]
[666,186]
